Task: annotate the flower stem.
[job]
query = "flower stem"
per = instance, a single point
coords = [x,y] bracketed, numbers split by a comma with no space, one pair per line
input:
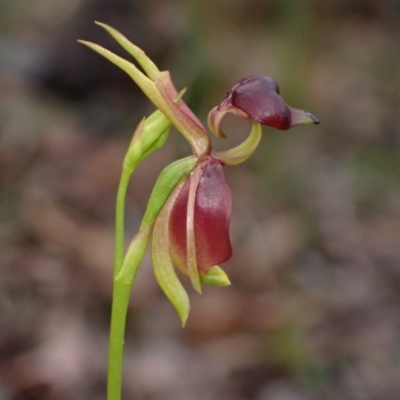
[120,219]
[120,303]
[121,292]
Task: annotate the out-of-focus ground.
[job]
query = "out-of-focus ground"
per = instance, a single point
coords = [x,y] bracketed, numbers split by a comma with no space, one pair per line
[314,308]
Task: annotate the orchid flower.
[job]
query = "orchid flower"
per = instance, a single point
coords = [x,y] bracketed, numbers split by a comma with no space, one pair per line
[189,221]
[189,210]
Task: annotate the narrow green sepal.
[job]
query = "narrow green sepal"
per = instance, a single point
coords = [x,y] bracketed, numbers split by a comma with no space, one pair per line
[157,87]
[215,276]
[134,256]
[146,84]
[168,179]
[162,263]
[244,150]
[168,280]
[148,66]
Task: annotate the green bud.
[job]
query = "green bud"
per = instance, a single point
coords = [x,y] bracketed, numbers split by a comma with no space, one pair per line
[150,135]
[215,276]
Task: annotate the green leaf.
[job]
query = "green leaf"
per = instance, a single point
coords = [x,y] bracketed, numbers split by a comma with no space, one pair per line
[134,256]
[168,179]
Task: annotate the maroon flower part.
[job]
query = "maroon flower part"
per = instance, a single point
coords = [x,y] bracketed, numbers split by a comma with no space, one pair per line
[210,223]
[257,98]
[191,233]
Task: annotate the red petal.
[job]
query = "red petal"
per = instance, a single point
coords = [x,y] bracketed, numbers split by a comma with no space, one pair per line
[213,206]
[259,97]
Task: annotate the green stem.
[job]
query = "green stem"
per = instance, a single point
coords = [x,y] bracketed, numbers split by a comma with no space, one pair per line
[120,219]
[121,292]
[126,264]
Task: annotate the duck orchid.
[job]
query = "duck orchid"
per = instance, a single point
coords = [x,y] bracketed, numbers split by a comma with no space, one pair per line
[189,211]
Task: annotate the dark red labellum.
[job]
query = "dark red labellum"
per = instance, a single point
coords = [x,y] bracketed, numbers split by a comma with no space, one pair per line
[212,212]
[258,96]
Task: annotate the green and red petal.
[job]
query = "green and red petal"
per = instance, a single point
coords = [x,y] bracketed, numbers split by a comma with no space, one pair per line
[212,212]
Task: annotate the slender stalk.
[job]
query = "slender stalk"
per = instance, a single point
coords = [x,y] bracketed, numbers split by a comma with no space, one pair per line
[120,303]
[120,297]
[120,219]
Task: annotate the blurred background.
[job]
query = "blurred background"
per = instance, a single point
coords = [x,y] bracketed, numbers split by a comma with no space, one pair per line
[314,307]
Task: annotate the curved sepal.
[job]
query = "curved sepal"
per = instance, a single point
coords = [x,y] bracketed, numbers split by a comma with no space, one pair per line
[162,263]
[216,115]
[243,151]
[191,252]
